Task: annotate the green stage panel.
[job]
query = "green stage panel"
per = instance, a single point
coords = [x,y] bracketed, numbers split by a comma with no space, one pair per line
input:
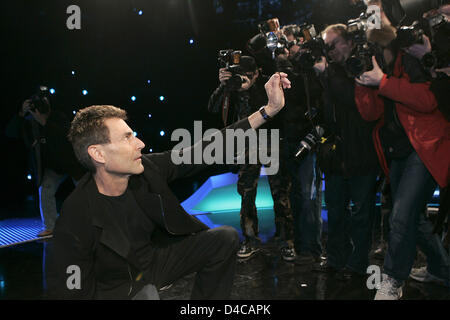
[226,198]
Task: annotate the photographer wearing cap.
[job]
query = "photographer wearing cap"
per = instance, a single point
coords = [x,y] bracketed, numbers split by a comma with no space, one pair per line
[237,103]
[44,130]
[349,162]
[412,139]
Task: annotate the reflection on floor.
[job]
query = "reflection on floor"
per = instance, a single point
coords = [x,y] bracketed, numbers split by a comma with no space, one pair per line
[266,276]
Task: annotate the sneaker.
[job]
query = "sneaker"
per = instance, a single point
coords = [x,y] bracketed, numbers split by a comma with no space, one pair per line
[390,289]
[422,275]
[288,253]
[246,250]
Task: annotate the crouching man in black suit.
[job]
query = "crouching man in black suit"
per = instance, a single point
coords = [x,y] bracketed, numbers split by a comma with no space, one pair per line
[123,230]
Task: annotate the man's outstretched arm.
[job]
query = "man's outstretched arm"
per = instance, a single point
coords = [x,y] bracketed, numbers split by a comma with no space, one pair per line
[276,101]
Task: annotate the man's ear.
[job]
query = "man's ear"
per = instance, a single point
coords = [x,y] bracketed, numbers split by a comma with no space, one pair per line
[96,153]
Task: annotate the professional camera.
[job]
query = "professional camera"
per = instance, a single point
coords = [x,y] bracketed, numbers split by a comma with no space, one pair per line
[437,28]
[361,59]
[267,41]
[312,48]
[230,59]
[40,100]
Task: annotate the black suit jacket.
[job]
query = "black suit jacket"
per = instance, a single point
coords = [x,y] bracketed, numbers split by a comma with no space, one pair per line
[87,236]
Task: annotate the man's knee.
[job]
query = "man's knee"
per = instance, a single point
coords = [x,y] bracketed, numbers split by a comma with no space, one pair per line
[227,236]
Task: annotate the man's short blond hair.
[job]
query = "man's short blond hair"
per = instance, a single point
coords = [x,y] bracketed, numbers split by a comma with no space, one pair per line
[338,28]
[88,128]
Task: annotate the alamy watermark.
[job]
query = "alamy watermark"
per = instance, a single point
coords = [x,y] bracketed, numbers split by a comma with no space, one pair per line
[375,278]
[230,146]
[74,20]
[374,17]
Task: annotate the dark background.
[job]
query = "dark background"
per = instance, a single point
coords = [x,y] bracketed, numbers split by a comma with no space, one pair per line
[117,51]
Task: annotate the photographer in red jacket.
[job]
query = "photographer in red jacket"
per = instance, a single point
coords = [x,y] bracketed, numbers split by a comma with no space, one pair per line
[412,139]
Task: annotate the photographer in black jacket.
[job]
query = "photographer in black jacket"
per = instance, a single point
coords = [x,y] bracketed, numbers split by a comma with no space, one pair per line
[44,130]
[236,104]
[303,103]
[350,162]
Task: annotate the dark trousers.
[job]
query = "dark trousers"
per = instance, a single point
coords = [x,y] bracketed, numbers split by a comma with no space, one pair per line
[280,185]
[350,231]
[210,253]
[306,200]
[412,188]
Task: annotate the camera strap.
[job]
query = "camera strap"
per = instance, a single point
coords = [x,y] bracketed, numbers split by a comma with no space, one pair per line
[225,107]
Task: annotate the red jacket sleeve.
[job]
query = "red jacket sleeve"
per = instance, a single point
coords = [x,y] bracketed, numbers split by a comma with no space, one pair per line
[369,104]
[416,96]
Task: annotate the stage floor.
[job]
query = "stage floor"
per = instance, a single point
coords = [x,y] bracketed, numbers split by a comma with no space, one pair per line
[263,277]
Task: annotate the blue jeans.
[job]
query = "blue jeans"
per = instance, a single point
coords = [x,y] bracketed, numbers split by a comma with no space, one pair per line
[306,202]
[412,187]
[47,196]
[350,231]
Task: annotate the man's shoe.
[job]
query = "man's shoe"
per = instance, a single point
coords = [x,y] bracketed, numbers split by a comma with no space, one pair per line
[422,275]
[45,233]
[390,289]
[246,250]
[288,254]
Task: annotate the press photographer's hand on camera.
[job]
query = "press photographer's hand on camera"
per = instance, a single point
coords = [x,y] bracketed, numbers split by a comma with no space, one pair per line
[372,77]
[444,70]
[246,83]
[224,75]
[321,65]
[41,118]
[418,50]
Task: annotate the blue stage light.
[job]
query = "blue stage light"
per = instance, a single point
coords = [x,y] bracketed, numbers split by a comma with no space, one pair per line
[73,72]
[52,91]
[161,98]
[162,133]
[151,150]
[148,81]
[191,41]
[85,92]
[74,112]
[149,115]
[135,133]
[140,12]
[29,177]
[133,98]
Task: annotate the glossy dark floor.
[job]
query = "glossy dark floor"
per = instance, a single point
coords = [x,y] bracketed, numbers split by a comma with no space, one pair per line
[263,277]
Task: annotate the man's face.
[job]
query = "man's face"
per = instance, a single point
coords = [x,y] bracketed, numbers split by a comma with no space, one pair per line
[122,155]
[339,49]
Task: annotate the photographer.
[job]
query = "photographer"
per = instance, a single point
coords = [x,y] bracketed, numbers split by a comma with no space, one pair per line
[412,140]
[304,104]
[44,130]
[349,162]
[237,103]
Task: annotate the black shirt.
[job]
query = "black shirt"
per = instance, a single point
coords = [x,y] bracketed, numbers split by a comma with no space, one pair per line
[137,227]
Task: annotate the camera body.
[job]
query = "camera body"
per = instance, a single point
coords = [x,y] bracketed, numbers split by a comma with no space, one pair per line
[361,59]
[40,101]
[230,60]
[312,47]
[438,29]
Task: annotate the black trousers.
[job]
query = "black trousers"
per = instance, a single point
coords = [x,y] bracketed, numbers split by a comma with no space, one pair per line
[210,253]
